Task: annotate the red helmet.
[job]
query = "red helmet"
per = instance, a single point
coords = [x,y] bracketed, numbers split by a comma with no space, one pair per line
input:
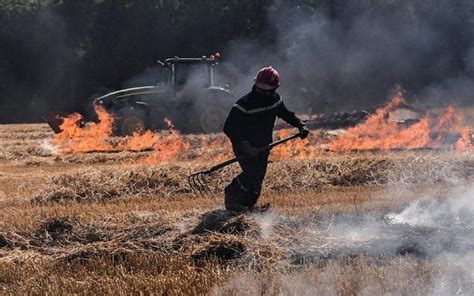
[267,79]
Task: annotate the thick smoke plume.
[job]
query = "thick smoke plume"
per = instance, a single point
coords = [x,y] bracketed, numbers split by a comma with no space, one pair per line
[350,55]
[333,55]
[37,65]
[344,56]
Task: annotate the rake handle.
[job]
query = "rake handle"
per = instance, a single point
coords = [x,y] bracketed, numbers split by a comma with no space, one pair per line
[260,150]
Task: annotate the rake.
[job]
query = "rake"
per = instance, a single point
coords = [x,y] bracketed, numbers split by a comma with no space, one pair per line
[197,181]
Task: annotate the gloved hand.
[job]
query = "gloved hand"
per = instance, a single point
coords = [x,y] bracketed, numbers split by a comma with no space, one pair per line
[304,132]
[248,149]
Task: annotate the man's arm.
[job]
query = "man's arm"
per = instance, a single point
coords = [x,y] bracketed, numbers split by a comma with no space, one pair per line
[289,116]
[292,119]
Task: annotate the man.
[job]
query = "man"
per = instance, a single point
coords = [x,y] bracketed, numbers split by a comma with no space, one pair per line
[249,127]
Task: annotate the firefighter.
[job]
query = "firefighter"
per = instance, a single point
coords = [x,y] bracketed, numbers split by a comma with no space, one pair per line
[249,127]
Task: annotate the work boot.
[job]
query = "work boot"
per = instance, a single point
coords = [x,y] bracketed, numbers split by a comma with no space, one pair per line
[236,199]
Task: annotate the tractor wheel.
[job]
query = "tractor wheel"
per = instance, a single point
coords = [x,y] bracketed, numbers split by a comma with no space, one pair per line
[212,109]
[130,121]
[212,119]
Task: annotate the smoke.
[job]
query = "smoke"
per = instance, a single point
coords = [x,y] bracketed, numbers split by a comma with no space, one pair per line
[345,55]
[353,59]
[435,213]
[150,76]
[37,67]
[425,246]
[333,55]
[266,221]
[455,274]
[50,147]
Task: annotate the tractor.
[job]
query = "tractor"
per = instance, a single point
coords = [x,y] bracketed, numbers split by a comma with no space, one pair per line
[187,96]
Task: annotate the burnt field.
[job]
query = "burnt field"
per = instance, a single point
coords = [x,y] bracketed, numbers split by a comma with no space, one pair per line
[118,217]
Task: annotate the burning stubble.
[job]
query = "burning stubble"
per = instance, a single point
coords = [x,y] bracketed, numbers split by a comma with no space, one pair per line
[435,130]
[441,129]
[97,137]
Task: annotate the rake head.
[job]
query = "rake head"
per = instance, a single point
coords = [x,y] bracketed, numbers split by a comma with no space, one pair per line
[197,181]
[198,184]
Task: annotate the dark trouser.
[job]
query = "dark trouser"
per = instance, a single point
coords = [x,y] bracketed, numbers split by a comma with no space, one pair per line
[244,190]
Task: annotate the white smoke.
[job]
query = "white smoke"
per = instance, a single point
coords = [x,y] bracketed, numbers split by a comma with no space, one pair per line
[452,244]
[455,275]
[437,234]
[48,146]
[435,213]
[266,222]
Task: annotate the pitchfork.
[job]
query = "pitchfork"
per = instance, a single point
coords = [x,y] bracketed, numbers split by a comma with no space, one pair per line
[197,181]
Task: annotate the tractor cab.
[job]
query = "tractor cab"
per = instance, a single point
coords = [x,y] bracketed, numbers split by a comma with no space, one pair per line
[180,70]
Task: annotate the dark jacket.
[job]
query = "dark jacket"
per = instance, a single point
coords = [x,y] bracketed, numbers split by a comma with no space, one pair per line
[253,116]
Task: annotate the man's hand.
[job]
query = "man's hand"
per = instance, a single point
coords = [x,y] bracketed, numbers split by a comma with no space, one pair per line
[248,149]
[304,132]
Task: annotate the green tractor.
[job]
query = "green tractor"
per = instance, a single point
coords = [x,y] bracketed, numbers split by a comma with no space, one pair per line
[188,96]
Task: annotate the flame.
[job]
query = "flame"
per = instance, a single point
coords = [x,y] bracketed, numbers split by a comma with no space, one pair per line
[139,142]
[168,148]
[435,130]
[221,149]
[97,137]
[432,131]
[285,150]
[465,143]
[92,137]
[147,140]
[299,149]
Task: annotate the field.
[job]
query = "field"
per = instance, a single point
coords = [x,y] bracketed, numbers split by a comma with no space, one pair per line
[125,221]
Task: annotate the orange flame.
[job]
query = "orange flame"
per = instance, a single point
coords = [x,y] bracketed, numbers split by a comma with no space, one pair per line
[435,130]
[431,131]
[465,143]
[96,137]
[168,148]
[139,142]
[299,149]
[221,149]
[92,137]
[145,141]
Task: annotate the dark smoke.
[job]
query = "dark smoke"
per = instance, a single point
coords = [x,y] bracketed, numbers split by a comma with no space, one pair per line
[333,54]
[351,55]
[37,65]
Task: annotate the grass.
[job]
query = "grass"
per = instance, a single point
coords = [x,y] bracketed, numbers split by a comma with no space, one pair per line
[108,223]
